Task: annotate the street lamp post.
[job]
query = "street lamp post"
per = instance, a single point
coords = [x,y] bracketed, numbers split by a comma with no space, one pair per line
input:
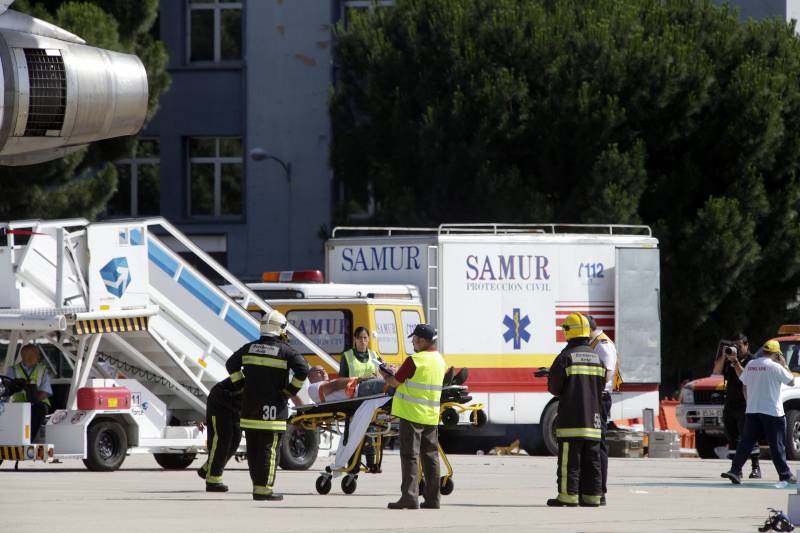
[259,154]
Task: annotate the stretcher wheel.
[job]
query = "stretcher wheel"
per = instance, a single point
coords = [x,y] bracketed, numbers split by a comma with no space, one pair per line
[479,418]
[449,417]
[446,486]
[349,484]
[323,484]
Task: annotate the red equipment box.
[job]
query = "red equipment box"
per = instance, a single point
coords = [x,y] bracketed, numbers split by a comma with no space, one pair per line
[104,398]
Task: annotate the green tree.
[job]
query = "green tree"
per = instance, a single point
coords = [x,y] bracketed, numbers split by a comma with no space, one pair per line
[80,184]
[664,112]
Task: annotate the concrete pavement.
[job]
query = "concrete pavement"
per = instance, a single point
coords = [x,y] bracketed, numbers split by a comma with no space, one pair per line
[501,494]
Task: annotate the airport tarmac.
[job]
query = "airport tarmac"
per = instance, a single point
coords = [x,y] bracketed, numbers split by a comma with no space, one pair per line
[501,494]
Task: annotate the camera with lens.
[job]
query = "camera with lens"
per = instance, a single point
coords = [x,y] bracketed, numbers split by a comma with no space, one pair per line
[728,349]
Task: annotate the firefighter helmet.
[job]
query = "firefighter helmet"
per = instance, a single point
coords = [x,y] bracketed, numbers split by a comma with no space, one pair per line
[273,324]
[575,325]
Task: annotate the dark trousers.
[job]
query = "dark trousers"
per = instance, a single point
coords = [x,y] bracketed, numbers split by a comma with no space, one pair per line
[262,458]
[419,442]
[579,471]
[39,411]
[223,438]
[774,428]
[733,418]
[605,413]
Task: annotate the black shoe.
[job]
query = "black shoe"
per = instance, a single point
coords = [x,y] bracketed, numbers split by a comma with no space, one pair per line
[735,478]
[268,497]
[789,479]
[555,502]
[216,487]
[755,473]
[402,505]
[201,472]
[426,505]
[603,500]
[584,504]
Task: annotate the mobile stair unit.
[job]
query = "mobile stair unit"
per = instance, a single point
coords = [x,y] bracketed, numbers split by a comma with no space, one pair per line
[145,333]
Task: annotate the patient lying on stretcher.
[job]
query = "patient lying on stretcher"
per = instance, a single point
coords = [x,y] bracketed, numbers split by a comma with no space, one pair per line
[322,389]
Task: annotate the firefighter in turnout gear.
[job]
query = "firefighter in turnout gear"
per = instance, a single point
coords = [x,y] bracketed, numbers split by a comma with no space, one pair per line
[578,377]
[266,364]
[224,433]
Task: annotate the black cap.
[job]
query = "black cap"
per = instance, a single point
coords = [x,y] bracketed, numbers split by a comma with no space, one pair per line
[592,322]
[424,331]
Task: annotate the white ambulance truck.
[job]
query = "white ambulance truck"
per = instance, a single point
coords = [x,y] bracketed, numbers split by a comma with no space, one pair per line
[497,294]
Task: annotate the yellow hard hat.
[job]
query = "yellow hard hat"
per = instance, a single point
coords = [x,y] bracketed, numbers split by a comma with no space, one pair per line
[772,347]
[575,325]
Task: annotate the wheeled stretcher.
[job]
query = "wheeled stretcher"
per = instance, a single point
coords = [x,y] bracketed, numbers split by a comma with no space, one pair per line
[336,417]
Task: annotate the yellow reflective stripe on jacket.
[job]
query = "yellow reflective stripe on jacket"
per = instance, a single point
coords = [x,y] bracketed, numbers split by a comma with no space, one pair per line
[422,386]
[586,370]
[237,376]
[264,361]
[297,382]
[576,433]
[270,425]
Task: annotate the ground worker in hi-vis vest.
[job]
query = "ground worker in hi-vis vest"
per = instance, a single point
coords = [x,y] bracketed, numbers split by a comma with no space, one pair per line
[577,377]
[31,376]
[266,364]
[416,404]
[223,432]
[361,362]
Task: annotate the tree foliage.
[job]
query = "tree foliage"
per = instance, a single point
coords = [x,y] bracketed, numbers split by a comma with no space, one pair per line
[80,184]
[670,113]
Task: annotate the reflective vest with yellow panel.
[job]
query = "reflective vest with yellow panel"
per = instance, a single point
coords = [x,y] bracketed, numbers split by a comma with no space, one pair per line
[417,399]
[356,368]
[33,378]
[618,381]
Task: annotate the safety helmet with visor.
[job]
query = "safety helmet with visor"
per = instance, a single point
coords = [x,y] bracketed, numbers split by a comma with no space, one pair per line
[575,325]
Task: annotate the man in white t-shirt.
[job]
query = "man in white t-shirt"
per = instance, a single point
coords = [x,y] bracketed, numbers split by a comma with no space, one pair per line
[321,389]
[607,352]
[763,378]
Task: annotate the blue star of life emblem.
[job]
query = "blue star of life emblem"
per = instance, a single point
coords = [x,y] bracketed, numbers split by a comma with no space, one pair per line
[116,276]
[517,328]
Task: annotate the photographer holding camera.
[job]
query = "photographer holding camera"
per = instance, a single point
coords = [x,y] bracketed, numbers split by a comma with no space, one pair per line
[763,378]
[732,357]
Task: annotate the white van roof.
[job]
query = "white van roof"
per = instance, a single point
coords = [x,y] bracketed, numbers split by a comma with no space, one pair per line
[327,291]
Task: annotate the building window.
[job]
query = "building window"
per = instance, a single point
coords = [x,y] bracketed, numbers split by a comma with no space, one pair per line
[351,7]
[215,31]
[138,182]
[215,176]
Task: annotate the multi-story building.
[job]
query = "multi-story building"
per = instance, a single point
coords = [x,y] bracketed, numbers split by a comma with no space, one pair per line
[237,155]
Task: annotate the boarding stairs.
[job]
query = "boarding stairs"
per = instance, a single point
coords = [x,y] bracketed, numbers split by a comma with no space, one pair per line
[113,297]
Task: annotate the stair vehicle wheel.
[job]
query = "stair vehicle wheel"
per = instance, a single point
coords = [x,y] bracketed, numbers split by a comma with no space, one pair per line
[299,448]
[446,486]
[323,484]
[449,418]
[349,484]
[107,445]
[174,461]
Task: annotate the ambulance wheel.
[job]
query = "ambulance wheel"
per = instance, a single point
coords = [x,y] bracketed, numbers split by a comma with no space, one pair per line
[479,418]
[446,486]
[299,448]
[106,444]
[549,428]
[349,484]
[323,484]
[449,417]
[174,461]
[792,434]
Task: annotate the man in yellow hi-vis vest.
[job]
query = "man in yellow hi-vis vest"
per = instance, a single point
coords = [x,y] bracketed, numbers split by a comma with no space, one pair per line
[34,380]
[416,404]
[607,351]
